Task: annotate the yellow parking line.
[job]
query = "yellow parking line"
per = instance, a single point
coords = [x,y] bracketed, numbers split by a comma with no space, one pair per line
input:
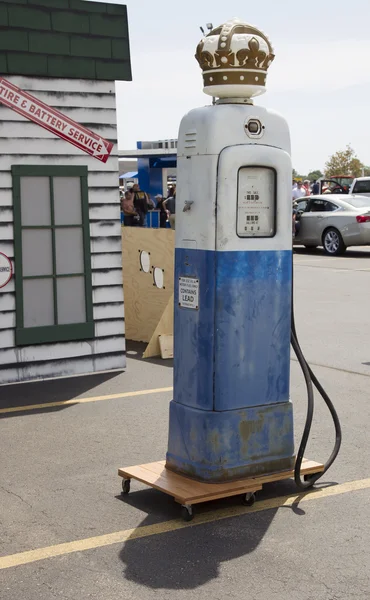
[14,409]
[118,537]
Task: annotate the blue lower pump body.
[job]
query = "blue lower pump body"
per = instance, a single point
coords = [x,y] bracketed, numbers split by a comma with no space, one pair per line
[231,416]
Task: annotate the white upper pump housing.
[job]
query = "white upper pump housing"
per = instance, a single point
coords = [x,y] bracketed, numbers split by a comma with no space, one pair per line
[232,157]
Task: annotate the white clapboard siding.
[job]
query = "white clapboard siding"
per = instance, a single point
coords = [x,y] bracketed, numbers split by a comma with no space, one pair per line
[84,116]
[22,142]
[7,248]
[82,159]
[6,338]
[21,129]
[104,229]
[106,261]
[10,286]
[39,147]
[63,368]
[7,302]
[107,294]
[6,197]
[107,328]
[108,277]
[99,181]
[41,352]
[6,232]
[6,215]
[103,245]
[7,320]
[108,211]
[76,99]
[34,84]
[112,310]
[5,178]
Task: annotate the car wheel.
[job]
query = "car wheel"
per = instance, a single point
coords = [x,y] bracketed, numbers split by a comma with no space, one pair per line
[333,242]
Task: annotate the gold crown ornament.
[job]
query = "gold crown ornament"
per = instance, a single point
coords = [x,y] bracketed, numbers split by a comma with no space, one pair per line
[234,58]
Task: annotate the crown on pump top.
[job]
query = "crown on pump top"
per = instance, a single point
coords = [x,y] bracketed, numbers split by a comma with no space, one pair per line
[234,58]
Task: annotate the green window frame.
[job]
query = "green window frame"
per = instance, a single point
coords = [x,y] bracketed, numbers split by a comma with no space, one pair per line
[57,332]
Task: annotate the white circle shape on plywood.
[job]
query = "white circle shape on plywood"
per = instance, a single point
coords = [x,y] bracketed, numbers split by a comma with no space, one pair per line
[145,261]
[6,270]
[158,277]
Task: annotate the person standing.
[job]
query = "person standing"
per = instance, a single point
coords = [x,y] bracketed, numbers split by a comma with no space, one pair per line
[162,212]
[170,206]
[299,191]
[130,216]
[307,186]
[316,188]
[141,203]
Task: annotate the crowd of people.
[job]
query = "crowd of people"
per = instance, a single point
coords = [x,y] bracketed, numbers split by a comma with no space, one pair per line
[300,190]
[135,205]
[304,188]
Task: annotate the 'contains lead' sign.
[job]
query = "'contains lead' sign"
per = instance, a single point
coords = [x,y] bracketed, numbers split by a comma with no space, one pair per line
[189,292]
[6,270]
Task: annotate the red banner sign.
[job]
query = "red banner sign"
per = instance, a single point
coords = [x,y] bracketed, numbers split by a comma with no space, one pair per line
[33,109]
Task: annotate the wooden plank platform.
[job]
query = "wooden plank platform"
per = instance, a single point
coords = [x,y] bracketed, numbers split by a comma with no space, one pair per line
[188,491]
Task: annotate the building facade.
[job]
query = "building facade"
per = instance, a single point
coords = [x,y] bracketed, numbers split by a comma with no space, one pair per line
[62,313]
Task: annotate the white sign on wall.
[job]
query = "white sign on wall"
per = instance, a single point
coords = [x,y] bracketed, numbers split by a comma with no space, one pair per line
[6,270]
[189,292]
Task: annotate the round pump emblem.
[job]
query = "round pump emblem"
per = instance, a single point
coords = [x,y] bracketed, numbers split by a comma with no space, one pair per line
[6,270]
[254,128]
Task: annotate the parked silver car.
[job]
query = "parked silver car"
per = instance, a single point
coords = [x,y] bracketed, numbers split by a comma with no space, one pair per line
[333,221]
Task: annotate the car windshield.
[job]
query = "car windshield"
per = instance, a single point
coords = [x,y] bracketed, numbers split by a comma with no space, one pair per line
[358,202]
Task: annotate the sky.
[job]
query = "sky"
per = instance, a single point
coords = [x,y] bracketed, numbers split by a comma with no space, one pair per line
[319,80]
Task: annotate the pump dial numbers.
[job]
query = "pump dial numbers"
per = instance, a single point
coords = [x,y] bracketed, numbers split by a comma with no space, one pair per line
[252,223]
[256,202]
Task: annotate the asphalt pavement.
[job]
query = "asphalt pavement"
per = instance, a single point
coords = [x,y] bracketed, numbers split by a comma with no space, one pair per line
[66,532]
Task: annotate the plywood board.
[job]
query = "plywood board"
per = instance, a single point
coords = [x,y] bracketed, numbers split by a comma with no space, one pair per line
[166,346]
[144,302]
[188,491]
[164,328]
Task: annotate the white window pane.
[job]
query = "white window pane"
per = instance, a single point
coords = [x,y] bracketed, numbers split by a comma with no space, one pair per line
[35,200]
[38,302]
[67,200]
[37,257]
[69,250]
[71,300]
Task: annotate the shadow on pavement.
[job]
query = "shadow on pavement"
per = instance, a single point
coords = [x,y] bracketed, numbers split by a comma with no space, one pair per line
[190,557]
[44,392]
[135,350]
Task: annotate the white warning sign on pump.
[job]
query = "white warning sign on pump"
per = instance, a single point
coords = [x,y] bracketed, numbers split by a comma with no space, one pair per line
[189,292]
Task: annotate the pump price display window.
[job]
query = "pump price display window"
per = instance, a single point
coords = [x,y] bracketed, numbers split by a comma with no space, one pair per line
[256,208]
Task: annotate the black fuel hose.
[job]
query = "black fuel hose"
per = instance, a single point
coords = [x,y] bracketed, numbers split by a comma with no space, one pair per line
[311,380]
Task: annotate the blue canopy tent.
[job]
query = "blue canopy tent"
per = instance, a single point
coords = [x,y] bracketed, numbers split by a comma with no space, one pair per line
[129,175]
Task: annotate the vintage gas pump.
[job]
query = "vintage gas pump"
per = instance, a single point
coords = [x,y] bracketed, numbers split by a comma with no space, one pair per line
[231,415]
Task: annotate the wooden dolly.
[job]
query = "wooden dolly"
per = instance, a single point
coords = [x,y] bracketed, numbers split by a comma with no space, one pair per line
[187,491]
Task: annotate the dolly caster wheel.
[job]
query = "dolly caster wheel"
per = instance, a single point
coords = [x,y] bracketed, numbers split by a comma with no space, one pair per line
[126,486]
[249,499]
[187,512]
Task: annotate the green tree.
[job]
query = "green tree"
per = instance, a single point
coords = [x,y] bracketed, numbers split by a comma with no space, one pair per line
[314,175]
[366,171]
[344,162]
